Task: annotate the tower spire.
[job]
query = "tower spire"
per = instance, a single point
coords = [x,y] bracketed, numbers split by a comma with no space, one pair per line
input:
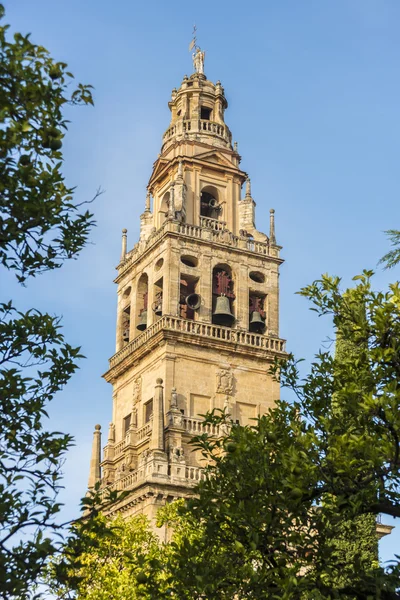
[94,473]
[124,240]
[272,237]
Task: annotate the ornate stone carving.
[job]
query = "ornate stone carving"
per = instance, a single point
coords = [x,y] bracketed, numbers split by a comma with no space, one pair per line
[174,398]
[111,433]
[137,390]
[177,454]
[224,381]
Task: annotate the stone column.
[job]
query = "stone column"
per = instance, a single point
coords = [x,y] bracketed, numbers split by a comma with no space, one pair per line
[157,434]
[94,473]
[242,297]
[205,288]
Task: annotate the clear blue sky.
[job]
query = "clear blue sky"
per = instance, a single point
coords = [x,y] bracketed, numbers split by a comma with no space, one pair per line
[314,94]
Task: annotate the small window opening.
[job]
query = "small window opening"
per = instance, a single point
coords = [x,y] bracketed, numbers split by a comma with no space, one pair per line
[127,423]
[189,261]
[178,113]
[182,411]
[205,113]
[257,276]
[148,411]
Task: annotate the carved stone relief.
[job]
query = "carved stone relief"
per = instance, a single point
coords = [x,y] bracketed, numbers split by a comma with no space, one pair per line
[224,381]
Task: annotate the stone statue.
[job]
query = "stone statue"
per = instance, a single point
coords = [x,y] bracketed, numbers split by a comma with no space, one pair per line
[174,398]
[198,61]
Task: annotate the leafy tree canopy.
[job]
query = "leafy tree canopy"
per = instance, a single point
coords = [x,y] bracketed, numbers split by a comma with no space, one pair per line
[288,505]
[40,227]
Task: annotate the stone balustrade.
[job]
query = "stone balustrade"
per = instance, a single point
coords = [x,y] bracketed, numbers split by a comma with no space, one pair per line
[203,330]
[210,230]
[143,432]
[215,224]
[197,426]
[197,126]
[194,473]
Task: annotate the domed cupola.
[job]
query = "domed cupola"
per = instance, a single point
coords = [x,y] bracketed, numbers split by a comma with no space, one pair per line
[197,111]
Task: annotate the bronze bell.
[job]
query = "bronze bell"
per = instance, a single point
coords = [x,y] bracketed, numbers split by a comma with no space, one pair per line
[257,324]
[222,314]
[143,321]
[158,308]
[125,335]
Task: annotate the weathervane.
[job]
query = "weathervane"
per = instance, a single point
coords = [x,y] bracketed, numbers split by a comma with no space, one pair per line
[198,56]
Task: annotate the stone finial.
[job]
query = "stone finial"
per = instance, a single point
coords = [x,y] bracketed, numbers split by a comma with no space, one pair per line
[157,434]
[171,204]
[235,146]
[94,472]
[124,242]
[180,169]
[248,188]
[174,398]
[111,433]
[272,237]
[147,205]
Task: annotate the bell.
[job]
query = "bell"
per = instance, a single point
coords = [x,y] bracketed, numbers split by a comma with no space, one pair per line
[257,324]
[125,335]
[143,321]
[158,309]
[222,314]
[193,301]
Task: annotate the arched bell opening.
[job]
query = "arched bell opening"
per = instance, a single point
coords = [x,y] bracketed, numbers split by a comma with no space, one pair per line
[210,206]
[141,303]
[126,324]
[189,299]
[223,296]
[163,210]
[157,305]
[257,314]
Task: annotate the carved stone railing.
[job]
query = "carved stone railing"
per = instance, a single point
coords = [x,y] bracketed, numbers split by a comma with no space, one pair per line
[212,230]
[194,426]
[120,447]
[215,224]
[197,126]
[203,330]
[143,432]
[194,473]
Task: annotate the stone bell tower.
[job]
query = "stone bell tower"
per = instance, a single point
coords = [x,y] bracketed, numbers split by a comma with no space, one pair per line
[198,308]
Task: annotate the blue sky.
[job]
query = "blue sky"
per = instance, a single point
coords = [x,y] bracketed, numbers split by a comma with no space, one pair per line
[314,94]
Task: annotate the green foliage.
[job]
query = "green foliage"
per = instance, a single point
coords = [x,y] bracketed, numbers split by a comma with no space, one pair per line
[392,258]
[110,559]
[288,511]
[288,505]
[40,225]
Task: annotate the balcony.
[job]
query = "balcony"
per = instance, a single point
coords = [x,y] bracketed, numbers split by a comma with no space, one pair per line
[210,230]
[240,341]
[192,128]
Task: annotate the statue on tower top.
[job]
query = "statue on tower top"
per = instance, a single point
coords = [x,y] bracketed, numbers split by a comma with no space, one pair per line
[198,56]
[198,60]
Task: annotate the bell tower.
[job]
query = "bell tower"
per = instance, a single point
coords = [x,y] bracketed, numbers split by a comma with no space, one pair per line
[198,308]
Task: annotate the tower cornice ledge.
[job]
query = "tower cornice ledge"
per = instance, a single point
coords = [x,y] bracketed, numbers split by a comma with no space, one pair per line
[202,235]
[170,328]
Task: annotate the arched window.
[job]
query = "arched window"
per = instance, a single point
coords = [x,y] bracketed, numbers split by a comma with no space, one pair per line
[163,211]
[257,313]
[223,296]
[141,303]
[209,203]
